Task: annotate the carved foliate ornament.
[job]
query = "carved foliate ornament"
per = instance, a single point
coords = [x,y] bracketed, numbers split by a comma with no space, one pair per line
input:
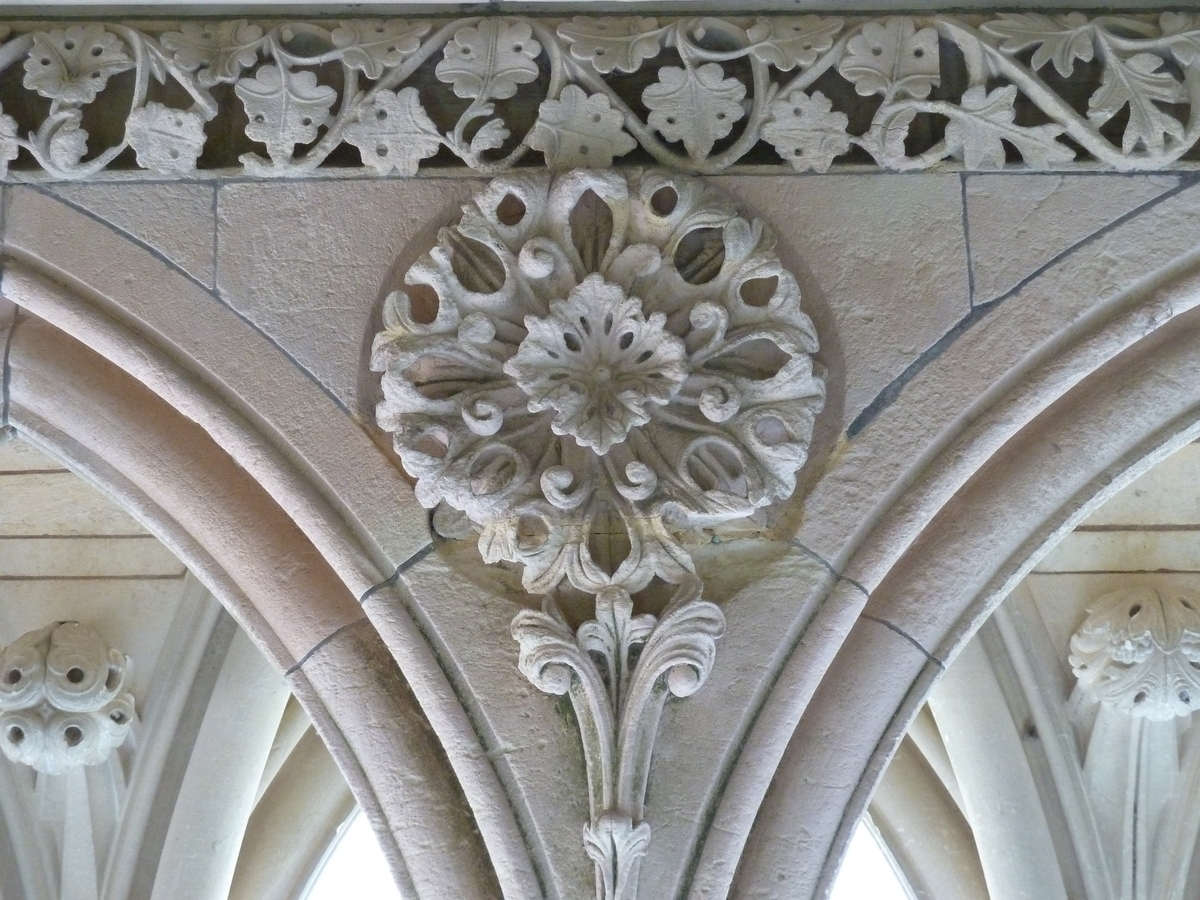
[614,359]
[1139,651]
[62,698]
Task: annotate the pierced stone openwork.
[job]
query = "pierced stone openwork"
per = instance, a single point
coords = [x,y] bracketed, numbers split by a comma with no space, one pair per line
[62,699]
[1139,651]
[613,359]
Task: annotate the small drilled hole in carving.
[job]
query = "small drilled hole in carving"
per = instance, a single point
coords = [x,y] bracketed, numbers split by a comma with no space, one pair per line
[96,51]
[68,45]
[625,340]
[771,431]
[75,675]
[1135,609]
[381,114]
[572,342]
[113,679]
[759,291]
[600,51]
[1185,697]
[700,255]
[73,735]
[174,153]
[517,48]
[918,53]
[45,62]
[664,200]
[423,303]
[645,355]
[16,735]
[596,117]
[381,150]
[877,51]
[118,717]
[532,533]
[259,118]
[1140,697]
[13,676]
[306,121]
[583,149]
[392,49]
[511,210]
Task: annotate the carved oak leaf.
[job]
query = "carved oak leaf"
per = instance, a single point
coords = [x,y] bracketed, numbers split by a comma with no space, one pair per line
[892,58]
[9,146]
[1061,39]
[696,106]
[491,136]
[372,45]
[73,65]
[977,138]
[1182,33]
[217,52]
[285,108]
[612,44]
[806,131]
[580,130]
[393,131]
[790,42]
[490,59]
[166,140]
[1138,82]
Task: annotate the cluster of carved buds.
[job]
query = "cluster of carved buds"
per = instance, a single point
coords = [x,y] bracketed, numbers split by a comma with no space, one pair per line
[61,698]
[613,358]
[800,90]
[1139,651]
[619,670]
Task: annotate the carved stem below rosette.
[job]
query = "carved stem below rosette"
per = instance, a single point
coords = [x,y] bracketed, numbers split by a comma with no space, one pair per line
[61,698]
[619,670]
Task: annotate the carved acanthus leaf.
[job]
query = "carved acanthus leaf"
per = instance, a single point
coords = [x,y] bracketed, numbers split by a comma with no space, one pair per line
[1139,651]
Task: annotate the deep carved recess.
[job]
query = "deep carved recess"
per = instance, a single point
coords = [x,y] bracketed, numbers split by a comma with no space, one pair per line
[1139,651]
[699,93]
[62,701]
[613,360]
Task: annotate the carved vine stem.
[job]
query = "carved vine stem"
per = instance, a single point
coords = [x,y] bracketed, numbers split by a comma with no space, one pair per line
[619,670]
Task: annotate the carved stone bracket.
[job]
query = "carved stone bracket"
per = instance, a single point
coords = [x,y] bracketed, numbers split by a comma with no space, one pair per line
[706,93]
[61,699]
[1139,651]
[586,370]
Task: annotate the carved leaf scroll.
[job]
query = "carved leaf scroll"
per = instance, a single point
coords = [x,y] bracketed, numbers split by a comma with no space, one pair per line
[1138,82]
[789,43]
[166,140]
[373,46]
[489,60]
[977,137]
[612,44]
[73,65]
[580,130]
[1062,40]
[394,133]
[892,58]
[697,106]
[806,131]
[218,52]
[285,108]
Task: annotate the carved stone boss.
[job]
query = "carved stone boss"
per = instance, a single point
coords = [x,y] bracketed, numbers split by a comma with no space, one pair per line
[1139,652]
[796,92]
[62,699]
[588,371]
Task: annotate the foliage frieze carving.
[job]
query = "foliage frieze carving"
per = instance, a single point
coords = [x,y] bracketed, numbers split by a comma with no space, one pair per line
[797,93]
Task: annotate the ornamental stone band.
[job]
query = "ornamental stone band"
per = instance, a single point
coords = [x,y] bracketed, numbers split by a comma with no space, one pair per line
[1039,91]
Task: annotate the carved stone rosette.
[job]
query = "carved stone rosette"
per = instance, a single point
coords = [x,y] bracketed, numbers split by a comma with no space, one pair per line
[1139,651]
[588,367]
[61,698]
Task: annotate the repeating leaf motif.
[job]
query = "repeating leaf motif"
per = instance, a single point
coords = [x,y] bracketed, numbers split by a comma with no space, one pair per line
[166,140]
[374,45]
[217,52]
[806,131]
[285,108]
[697,106]
[1059,39]
[978,139]
[73,65]
[393,132]
[580,130]
[489,60]
[1138,82]
[791,42]
[609,45]
[893,59]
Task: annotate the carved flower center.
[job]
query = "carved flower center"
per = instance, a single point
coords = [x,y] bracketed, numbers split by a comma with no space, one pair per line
[599,363]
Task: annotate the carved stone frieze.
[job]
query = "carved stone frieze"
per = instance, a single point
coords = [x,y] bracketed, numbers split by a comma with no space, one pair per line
[613,359]
[61,698]
[1139,651]
[699,93]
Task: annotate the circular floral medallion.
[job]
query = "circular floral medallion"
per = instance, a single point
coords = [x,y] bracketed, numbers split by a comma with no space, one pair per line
[613,358]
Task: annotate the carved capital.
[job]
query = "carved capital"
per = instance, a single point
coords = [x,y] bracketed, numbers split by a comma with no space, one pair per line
[613,359]
[1139,651]
[61,698]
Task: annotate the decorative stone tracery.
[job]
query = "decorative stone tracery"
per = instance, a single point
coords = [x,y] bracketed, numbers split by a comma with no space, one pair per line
[587,369]
[797,92]
[61,698]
